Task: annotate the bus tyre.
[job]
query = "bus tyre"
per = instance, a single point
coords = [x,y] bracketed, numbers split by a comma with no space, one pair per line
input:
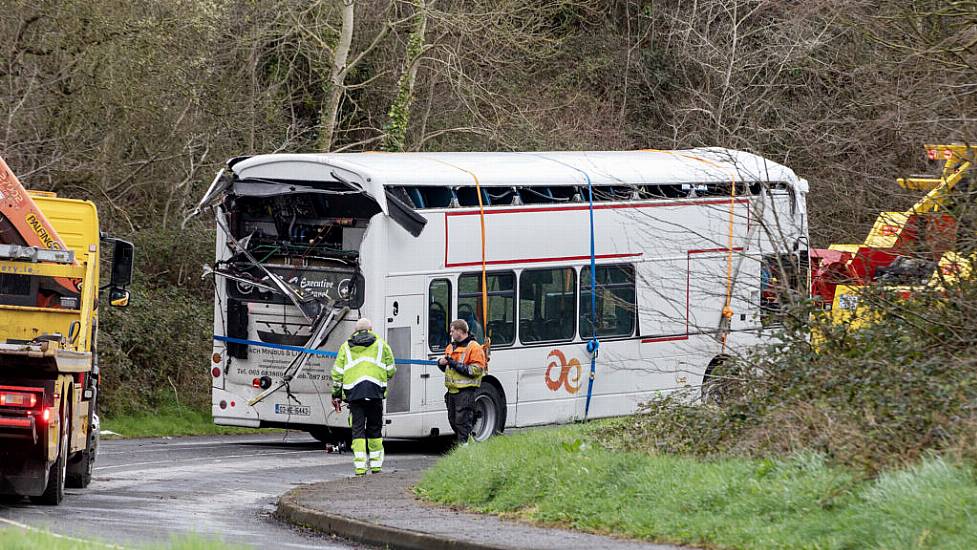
[721,384]
[54,493]
[489,409]
[332,436]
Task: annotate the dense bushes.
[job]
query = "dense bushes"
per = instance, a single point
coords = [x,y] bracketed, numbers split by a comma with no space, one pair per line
[156,351]
[879,396]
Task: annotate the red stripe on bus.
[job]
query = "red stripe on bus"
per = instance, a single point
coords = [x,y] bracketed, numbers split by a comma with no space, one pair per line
[688,292]
[708,250]
[446,239]
[596,207]
[664,339]
[541,260]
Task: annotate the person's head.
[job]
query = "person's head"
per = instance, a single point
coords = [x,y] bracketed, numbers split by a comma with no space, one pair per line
[363,324]
[458,330]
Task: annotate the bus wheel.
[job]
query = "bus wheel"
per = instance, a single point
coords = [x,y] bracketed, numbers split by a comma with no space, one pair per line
[720,383]
[489,412]
[332,436]
[54,493]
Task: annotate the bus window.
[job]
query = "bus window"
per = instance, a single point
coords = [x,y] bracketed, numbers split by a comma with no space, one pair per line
[615,301]
[439,314]
[783,281]
[501,306]
[547,304]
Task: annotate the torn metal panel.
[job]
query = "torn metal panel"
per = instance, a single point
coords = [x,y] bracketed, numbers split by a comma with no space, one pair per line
[250,188]
[310,168]
[405,216]
[320,332]
[215,194]
[304,301]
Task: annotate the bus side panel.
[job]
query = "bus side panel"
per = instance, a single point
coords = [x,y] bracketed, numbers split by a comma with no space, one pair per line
[663,297]
[629,230]
[549,380]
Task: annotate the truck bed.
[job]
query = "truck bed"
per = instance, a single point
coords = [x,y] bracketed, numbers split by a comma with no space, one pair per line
[45,355]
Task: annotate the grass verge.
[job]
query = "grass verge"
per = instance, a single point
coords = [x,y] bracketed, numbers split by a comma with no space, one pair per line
[170,420]
[560,476]
[18,539]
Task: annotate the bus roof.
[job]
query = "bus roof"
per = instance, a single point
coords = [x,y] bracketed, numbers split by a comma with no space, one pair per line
[505,169]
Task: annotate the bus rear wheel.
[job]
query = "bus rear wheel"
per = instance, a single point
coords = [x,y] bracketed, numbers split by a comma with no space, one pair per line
[489,412]
[722,383]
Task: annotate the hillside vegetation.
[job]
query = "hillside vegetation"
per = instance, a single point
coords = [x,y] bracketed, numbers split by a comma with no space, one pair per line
[136,104]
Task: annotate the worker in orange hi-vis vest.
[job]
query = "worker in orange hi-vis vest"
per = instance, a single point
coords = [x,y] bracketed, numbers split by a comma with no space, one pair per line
[463,365]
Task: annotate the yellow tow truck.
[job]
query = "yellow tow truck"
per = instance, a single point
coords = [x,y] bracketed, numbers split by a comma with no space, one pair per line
[49,374]
[905,250]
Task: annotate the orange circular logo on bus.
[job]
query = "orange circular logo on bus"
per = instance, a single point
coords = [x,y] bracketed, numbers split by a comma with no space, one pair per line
[559,361]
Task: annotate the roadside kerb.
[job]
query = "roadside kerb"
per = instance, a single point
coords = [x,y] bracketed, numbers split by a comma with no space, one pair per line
[381,510]
[362,531]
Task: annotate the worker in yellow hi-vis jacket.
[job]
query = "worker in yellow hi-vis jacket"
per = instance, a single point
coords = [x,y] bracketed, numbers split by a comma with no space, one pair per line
[364,365]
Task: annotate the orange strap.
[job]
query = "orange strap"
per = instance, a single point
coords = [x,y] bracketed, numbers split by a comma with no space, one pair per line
[481,219]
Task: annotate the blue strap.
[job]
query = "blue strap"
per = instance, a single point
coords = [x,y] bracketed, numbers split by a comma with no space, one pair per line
[594,344]
[310,351]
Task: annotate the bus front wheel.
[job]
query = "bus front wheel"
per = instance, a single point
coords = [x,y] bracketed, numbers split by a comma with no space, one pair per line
[331,436]
[489,412]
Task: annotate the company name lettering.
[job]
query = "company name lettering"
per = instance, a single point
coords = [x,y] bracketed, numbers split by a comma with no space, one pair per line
[41,232]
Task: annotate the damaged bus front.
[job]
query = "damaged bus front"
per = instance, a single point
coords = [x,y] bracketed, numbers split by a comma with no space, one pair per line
[292,275]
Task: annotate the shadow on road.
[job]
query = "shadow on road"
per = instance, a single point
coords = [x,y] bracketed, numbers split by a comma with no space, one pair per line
[299,440]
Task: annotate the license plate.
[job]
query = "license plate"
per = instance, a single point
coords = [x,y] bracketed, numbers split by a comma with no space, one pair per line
[292,410]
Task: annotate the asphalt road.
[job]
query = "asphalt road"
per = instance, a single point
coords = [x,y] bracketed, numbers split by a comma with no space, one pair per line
[149,490]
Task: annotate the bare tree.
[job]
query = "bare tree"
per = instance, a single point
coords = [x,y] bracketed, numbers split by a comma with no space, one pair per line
[398,117]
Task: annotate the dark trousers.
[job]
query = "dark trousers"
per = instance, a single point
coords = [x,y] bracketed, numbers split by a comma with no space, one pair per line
[367,418]
[461,412]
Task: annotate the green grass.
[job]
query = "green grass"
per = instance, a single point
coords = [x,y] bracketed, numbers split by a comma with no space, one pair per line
[558,476]
[171,420]
[17,539]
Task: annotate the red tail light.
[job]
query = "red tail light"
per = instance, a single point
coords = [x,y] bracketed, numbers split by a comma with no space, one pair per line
[46,415]
[256,382]
[18,399]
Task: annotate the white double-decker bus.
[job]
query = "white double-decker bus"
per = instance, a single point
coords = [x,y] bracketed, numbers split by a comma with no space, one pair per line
[687,246]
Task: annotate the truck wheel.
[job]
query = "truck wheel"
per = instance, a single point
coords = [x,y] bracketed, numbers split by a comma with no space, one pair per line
[489,412]
[82,466]
[54,493]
